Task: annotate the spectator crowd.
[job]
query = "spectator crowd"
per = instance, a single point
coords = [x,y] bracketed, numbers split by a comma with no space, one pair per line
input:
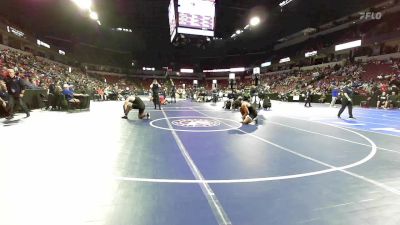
[378,81]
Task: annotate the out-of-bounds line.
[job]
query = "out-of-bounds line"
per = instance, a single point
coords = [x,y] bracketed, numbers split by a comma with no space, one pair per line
[391,117]
[212,199]
[330,136]
[369,117]
[375,132]
[329,124]
[363,122]
[382,124]
[341,169]
[368,109]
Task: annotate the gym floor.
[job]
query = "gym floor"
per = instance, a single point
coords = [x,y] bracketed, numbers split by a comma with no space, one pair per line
[195,164]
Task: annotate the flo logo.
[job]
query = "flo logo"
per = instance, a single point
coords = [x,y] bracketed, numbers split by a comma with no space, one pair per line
[370,16]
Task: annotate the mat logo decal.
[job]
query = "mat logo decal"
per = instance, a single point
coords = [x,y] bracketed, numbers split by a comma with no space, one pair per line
[196,123]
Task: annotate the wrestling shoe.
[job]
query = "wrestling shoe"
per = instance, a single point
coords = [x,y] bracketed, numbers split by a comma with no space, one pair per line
[352,117]
[148,116]
[9,117]
[124,117]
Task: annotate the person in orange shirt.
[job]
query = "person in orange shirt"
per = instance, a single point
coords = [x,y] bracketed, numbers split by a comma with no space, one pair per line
[100,92]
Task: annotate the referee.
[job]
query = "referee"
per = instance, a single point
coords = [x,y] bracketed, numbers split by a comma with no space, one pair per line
[308,98]
[347,99]
[155,89]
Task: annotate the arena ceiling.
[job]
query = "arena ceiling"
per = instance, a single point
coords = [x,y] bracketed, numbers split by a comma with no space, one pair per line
[61,21]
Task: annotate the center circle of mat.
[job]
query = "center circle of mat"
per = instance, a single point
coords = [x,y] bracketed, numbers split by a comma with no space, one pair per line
[200,124]
[196,123]
[330,169]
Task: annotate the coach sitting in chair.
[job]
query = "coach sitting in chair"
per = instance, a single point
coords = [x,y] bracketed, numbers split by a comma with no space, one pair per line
[391,103]
[3,99]
[70,95]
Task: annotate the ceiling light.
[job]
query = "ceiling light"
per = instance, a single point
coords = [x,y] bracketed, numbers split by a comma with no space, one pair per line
[240,69]
[255,21]
[187,71]
[83,4]
[94,16]
[238,31]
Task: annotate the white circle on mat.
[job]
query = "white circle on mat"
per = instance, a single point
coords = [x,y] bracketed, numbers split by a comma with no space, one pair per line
[264,179]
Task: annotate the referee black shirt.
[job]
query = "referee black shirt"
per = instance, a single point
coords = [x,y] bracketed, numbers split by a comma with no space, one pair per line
[14,86]
[349,91]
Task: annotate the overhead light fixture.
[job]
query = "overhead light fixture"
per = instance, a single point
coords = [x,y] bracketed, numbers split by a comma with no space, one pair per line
[187,71]
[238,31]
[348,45]
[283,3]
[266,64]
[94,16]
[287,59]
[255,21]
[240,69]
[122,29]
[83,4]
[15,31]
[216,71]
[41,43]
[310,54]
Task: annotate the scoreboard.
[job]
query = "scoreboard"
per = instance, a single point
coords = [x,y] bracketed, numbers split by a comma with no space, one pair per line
[172,19]
[195,17]
[197,14]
